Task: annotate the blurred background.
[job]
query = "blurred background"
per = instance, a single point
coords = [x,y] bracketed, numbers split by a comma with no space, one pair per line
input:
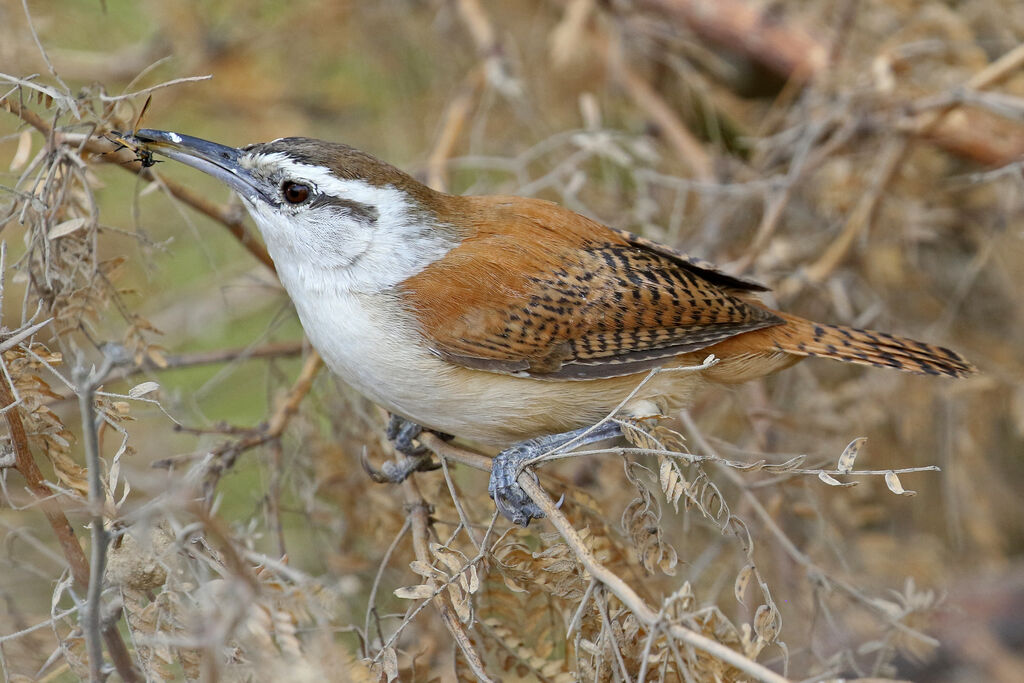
[861,157]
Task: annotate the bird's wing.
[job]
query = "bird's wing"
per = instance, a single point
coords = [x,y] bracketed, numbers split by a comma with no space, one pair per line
[538,290]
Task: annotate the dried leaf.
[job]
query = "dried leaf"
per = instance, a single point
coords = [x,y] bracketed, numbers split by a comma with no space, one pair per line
[750,466]
[23,151]
[143,389]
[390,661]
[426,571]
[896,486]
[156,356]
[791,464]
[766,622]
[832,481]
[849,455]
[742,581]
[471,580]
[420,592]
[671,480]
[460,601]
[67,227]
[512,585]
[452,559]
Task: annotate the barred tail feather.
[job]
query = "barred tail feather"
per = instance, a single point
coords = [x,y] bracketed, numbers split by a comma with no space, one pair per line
[801,337]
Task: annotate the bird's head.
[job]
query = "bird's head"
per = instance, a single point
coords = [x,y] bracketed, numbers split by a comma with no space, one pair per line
[331,215]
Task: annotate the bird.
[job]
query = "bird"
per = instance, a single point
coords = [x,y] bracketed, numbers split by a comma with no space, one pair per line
[508,321]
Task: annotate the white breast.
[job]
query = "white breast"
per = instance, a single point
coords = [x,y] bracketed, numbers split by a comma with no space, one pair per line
[368,341]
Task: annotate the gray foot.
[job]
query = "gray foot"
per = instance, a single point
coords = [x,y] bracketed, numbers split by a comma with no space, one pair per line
[402,433]
[509,497]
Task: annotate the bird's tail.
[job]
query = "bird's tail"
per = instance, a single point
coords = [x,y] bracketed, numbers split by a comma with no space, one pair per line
[801,337]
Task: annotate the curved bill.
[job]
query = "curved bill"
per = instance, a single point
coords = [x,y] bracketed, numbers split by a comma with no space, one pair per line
[217,160]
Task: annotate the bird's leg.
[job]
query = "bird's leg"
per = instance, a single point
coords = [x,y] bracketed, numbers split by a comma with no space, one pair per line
[509,497]
[402,434]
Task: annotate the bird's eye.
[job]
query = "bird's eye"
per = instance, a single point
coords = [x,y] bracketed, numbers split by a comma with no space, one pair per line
[295,193]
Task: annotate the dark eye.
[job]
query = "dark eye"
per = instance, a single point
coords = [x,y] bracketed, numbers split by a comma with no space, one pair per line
[295,193]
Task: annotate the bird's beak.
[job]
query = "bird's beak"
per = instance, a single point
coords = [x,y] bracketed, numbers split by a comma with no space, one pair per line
[220,161]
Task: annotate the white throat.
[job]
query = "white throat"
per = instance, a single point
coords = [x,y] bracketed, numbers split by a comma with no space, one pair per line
[359,237]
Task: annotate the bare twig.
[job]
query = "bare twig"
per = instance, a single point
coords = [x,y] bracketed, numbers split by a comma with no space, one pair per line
[452,123]
[891,157]
[87,383]
[495,67]
[795,553]
[226,455]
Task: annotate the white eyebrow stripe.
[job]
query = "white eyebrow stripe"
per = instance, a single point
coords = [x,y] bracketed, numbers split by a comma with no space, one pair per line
[391,204]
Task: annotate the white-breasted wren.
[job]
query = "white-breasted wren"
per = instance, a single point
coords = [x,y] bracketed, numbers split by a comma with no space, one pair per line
[506,320]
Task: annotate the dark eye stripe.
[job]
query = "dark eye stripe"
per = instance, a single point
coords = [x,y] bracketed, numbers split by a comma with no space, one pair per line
[365,212]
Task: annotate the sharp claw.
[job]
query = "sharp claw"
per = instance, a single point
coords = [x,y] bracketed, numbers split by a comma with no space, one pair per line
[375,474]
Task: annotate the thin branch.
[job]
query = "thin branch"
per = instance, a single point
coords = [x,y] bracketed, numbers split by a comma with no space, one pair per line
[795,553]
[891,157]
[22,335]
[87,383]
[452,123]
[371,603]
[225,456]
[288,349]
[153,88]
[480,27]
[46,57]
[610,579]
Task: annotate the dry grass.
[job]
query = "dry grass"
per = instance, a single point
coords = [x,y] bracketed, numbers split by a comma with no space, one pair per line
[861,157]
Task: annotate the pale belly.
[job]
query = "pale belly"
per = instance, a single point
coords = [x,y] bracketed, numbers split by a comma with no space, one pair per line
[376,352]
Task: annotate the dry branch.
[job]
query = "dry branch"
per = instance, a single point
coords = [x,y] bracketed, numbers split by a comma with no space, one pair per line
[72,549]
[637,605]
[688,149]
[452,124]
[924,125]
[225,456]
[419,518]
[755,30]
